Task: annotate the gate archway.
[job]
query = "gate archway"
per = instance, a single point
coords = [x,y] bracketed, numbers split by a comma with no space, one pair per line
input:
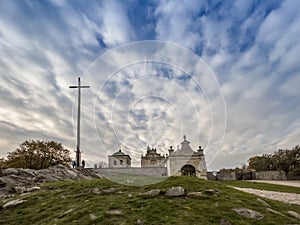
[188,170]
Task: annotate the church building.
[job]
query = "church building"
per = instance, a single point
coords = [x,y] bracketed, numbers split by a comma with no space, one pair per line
[186,161]
[119,160]
[182,162]
[152,159]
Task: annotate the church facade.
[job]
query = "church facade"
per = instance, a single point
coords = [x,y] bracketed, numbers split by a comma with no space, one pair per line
[186,161]
[152,159]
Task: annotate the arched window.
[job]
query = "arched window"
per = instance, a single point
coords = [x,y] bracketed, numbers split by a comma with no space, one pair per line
[115,162]
[121,162]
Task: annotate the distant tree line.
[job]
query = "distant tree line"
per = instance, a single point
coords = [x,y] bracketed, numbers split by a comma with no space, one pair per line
[287,160]
[37,155]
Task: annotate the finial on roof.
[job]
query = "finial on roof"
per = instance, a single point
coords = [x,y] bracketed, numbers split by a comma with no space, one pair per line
[184,137]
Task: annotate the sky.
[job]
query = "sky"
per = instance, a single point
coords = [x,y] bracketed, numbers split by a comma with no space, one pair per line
[224,73]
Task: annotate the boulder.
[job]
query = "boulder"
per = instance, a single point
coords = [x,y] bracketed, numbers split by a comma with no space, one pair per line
[263,202]
[110,190]
[195,193]
[13,203]
[224,222]
[95,191]
[294,214]
[211,191]
[114,212]
[248,213]
[274,211]
[153,192]
[175,191]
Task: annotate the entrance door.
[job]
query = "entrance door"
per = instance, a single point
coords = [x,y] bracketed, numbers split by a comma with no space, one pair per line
[188,170]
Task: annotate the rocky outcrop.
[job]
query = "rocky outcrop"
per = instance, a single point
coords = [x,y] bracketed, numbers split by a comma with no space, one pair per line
[18,180]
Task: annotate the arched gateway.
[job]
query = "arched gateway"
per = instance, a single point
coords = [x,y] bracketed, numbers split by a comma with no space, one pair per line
[188,170]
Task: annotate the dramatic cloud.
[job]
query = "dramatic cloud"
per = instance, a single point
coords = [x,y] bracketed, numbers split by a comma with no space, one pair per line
[251,47]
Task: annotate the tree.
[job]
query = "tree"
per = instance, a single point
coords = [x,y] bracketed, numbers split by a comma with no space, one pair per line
[38,155]
[286,160]
[261,163]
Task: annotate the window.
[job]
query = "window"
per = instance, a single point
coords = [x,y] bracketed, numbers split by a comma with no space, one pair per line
[115,162]
[121,162]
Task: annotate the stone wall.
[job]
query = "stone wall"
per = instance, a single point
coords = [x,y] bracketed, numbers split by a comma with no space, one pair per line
[270,175]
[145,171]
[221,176]
[264,175]
[226,176]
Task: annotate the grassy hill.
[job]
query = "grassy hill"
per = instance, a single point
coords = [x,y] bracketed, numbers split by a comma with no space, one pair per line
[73,202]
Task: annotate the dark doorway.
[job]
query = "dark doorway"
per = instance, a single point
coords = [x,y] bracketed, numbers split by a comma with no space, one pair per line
[188,170]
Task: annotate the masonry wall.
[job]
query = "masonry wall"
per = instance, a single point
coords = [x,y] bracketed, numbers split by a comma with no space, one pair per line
[270,175]
[138,171]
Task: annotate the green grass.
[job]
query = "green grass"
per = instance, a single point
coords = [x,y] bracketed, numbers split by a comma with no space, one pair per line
[72,203]
[261,186]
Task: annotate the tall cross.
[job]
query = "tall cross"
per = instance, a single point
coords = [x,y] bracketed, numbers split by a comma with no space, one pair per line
[78,122]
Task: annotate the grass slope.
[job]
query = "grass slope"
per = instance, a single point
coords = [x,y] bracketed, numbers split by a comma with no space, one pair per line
[72,203]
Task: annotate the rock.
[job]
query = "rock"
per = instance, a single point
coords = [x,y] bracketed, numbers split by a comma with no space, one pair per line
[294,214]
[20,190]
[224,222]
[248,213]
[13,203]
[2,184]
[274,211]
[93,217]
[153,192]
[95,191]
[196,193]
[110,190]
[139,222]
[211,191]
[129,195]
[114,212]
[263,202]
[175,191]
[10,171]
[31,189]
[65,213]
[18,180]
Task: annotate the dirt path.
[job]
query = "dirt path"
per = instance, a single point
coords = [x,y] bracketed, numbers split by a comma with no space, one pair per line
[295,183]
[275,195]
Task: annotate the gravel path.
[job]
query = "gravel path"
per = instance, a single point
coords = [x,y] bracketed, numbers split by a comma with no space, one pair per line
[275,195]
[294,183]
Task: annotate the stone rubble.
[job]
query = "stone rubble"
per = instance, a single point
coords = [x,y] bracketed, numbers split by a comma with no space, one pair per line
[18,180]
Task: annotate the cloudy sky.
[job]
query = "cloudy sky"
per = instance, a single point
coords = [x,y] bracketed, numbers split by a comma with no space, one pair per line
[224,73]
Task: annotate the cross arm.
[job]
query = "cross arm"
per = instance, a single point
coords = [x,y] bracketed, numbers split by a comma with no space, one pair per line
[80,86]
